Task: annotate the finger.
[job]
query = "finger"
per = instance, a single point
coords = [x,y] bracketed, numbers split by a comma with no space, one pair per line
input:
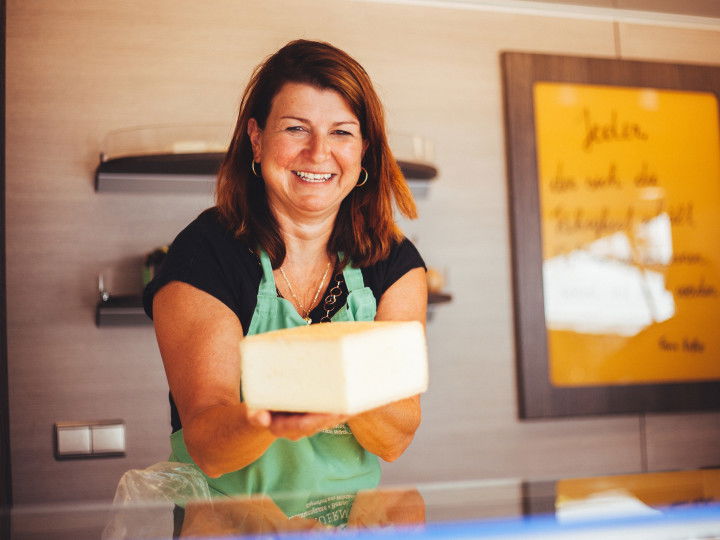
[330,420]
[292,434]
[325,418]
[284,426]
[259,417]
[297,425]
[294,427]
[315,422]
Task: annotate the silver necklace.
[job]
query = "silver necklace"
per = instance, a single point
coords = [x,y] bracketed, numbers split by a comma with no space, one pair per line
[306,317]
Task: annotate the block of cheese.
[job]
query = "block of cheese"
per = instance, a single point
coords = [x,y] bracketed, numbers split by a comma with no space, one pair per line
[339,368]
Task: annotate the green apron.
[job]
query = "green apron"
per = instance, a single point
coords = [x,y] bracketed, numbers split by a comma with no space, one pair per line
[317,476]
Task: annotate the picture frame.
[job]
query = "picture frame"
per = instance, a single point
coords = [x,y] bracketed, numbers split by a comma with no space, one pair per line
[558,327]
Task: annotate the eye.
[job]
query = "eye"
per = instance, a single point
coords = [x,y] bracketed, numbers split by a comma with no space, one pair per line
[295,129]
[342,132]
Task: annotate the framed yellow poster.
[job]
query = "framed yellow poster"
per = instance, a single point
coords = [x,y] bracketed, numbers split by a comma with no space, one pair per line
[614,175]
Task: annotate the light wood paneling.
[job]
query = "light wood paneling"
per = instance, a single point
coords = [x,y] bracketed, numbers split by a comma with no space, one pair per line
[77,70]
[699,8]
[472,500]
[5,470]
[683,441]
[590,3]
[482,448]
[669,44]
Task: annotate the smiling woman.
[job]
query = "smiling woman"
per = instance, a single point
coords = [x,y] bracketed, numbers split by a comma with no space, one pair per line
[310,152]
[365,229]
[305,201]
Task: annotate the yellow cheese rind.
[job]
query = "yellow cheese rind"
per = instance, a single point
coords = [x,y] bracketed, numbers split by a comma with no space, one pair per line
[338,368]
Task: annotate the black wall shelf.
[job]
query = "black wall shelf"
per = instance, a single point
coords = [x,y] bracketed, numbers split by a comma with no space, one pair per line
[121,311]
[178,173]
[128,310]
[193,173]
[196,172]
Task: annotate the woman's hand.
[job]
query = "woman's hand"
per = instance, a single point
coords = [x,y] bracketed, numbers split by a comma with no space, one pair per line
[293,426]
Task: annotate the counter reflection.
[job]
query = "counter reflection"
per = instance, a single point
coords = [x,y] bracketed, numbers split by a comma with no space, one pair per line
[661,505]
[174,500]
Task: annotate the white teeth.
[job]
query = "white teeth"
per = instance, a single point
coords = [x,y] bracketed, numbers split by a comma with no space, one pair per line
[314,177]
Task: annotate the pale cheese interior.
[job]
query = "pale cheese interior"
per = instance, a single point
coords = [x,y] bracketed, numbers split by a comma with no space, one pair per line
[341,368]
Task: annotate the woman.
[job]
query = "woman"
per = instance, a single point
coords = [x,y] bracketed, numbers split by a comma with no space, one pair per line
[304,205]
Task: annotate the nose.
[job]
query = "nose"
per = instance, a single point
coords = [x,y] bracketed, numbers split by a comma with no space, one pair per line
[319,148]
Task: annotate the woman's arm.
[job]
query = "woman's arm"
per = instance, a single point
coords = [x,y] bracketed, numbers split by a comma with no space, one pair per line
[387,431]
[199,340]
[198,337]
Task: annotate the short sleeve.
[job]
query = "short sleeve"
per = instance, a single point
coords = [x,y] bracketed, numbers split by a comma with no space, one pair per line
[403,257]
[207,256]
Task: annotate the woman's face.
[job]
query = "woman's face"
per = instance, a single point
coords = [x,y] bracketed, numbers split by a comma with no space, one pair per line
[310,151]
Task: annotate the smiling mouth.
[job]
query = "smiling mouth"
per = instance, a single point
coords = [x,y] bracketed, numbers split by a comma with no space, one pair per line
[315,178]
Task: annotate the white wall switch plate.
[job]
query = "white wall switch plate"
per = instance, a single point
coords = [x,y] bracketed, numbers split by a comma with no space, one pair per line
[108,439]
[72,440]
[92,439]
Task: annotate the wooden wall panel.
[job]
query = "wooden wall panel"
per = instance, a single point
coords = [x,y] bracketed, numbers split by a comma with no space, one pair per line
[698,45]
[472,500]
[683,441]
[74,75]
[5,466]
[698,8]
[77,70]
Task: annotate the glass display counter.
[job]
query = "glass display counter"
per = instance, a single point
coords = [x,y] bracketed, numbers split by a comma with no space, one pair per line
[669,505]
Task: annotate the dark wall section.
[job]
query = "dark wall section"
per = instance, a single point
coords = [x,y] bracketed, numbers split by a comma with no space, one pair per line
[5,484]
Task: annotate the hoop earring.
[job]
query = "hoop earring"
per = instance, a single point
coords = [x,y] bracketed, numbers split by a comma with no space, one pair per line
[364,180]
[252,168]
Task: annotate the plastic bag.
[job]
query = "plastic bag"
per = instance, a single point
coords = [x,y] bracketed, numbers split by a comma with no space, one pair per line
[145,500]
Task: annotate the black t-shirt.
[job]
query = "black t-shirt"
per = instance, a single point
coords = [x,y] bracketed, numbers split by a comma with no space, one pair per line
[209,257]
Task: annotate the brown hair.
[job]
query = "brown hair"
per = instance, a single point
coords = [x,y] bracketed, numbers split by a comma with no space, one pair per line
[365,228]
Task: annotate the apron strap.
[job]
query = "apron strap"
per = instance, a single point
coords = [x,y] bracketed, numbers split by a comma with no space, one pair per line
[267,283]
[353,278]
